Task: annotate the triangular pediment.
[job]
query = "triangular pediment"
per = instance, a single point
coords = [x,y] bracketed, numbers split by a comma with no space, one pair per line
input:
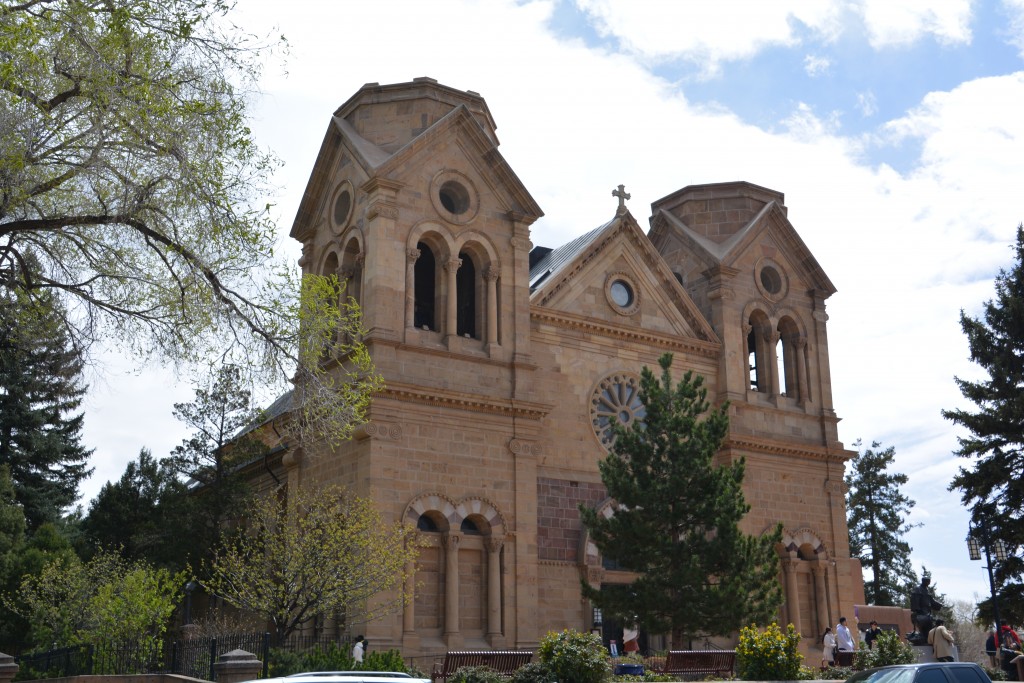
[482,160]
[578,279]
[769,230]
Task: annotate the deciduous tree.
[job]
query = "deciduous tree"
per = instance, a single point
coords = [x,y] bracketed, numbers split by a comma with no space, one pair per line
[877,511]
[677,520]
[130,186]
[315,552]
[992,483]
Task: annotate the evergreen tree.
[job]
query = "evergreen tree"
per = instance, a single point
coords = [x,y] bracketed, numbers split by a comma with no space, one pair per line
[220,415]
[877,510]
[40,389]
[677,521]
[143,515]
[992,486]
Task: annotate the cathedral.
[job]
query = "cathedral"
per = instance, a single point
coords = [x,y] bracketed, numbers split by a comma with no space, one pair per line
[505,362]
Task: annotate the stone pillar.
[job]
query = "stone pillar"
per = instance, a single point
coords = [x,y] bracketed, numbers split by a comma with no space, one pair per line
[747,329]
[790,567]
[237,666]
[410,286]
[8,668]
[800,344]
[451,298]
[409,612]
[451,586]
[491,277]
[771,338]
[494,629]
[819,595]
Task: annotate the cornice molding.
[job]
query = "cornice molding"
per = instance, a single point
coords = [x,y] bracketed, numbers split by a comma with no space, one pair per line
[480,404]
[583,323]
[771,447]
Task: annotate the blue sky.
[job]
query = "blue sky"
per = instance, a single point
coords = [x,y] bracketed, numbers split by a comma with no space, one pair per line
[894,128]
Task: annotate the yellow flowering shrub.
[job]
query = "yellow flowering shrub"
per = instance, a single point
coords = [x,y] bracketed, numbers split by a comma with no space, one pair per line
[769,654]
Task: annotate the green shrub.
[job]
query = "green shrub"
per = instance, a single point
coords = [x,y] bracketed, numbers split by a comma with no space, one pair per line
[994,672]
[836,673]
[574,657]
[476,674]
[768,655]
[889,649]
[332,657]
[390,660]
[534,672]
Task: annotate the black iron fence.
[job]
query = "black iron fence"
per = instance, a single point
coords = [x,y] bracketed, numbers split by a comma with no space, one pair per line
[194,657]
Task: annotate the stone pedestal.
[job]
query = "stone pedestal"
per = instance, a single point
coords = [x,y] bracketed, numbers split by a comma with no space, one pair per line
[237,666]
[8,669]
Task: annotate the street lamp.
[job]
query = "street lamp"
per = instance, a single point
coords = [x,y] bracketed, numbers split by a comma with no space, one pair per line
[977,541]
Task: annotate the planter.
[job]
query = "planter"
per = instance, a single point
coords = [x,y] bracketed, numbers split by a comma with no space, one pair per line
[628,670]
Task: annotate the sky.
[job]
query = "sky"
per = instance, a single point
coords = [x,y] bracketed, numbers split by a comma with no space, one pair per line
[895,128]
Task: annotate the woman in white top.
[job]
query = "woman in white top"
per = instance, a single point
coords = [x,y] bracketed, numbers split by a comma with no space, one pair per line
[828,648]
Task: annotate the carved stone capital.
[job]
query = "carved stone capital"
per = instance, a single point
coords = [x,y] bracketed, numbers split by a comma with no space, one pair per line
[384,431]
[494,543]
[800,343]
[453,265]
[491,274]
[412,255]
[381,209]
[452,540]
[521,243]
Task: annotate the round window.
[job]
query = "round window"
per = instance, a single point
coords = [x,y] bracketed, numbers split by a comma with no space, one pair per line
[454,197]
[622,293]
[771,280]
[616,400]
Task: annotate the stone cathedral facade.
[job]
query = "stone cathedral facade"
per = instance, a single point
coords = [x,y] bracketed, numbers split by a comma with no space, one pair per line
[506,359]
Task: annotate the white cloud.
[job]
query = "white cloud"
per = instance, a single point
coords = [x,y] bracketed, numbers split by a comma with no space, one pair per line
[1014,31]
[901,22]
[815,65]
[867,104]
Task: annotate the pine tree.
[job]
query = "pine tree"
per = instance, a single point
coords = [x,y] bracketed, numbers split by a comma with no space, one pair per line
[677,521]
[40,389]
[877,512]
[993,485]
[220,415]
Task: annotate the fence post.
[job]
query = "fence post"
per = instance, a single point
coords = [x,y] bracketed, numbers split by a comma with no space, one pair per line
[266,654]
[213,659]
[8,668]
[237,666]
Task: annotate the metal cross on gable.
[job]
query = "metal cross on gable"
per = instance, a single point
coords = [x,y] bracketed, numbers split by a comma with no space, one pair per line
[623,196]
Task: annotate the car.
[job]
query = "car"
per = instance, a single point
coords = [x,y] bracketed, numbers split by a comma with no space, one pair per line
[925,672]
[346,677]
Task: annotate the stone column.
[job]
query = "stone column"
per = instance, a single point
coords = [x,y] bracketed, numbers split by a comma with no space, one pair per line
[451,299]
[819,595]
[494,629]
[771,338]
[491,277]
[800,344]
[790,567]
[451,585]
[409,612]
[410,286]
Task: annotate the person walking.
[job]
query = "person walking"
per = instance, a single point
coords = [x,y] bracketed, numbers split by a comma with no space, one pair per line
[844,639]
[358,650]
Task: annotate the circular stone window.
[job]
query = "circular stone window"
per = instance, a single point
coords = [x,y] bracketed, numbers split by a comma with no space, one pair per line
[454,197]
[770,280]
[616,400]
[622,293]
[342,207]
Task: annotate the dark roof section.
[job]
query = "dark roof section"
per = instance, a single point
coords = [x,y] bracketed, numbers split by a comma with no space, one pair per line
[557,258]
[281,405]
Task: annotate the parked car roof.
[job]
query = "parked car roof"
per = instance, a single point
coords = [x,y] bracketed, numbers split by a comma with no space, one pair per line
[346,677]
[925,672]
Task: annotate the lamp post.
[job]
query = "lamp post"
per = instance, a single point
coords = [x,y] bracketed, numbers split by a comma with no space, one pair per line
[977,541]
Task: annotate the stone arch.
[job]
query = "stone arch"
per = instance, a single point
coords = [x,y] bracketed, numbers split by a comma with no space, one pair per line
[476,287]
[794,541]
[330,261]
[483,510]
[442,507]
[759,334]
[430,249]
[351,269]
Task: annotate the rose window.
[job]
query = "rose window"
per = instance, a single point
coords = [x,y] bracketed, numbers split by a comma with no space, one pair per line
[616,400]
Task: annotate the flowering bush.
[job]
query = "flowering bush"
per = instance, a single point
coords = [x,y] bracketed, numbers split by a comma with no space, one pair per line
[574,657]
[889,649]
[768,655]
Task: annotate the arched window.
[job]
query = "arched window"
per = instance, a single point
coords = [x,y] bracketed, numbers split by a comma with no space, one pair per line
[351,271]
[789,358]
[425,307]
[758,336]
[466,286]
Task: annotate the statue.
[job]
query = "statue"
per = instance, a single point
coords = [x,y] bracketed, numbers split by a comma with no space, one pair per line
[922,606]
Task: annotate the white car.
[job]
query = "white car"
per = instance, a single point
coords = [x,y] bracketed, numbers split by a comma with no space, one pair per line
[345,677]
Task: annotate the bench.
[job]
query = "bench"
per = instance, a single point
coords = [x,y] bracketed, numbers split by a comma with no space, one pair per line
[503,662]
[702,663]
